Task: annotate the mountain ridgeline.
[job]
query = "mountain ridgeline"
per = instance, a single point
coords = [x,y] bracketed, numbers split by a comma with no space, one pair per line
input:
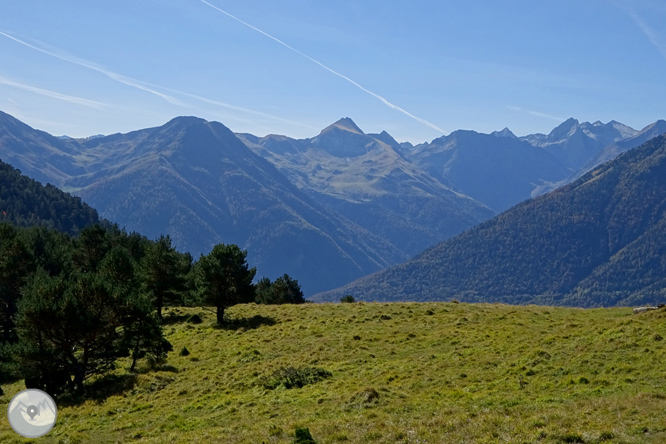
[599,241]
[326,210]
[197,182]
[367,179]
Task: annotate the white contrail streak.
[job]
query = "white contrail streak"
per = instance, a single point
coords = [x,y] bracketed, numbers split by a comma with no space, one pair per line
[652,35]
[52,94]
[535,113]
[145,86]
[377,96]
[112,75]
[229,106]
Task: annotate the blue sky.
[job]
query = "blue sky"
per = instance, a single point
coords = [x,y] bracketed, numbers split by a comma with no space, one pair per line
[418,69]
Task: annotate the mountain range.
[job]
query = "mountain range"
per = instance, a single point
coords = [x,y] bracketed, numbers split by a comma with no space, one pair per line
[366,178]
[326,210]
[599,241]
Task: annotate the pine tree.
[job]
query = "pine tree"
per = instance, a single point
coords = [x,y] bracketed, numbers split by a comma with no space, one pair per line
[223,278]
[284,290]
[164,273]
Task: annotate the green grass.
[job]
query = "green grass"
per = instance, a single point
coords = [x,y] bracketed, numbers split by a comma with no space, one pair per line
[400,373]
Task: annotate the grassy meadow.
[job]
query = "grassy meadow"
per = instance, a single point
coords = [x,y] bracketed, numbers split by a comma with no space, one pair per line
[399,373]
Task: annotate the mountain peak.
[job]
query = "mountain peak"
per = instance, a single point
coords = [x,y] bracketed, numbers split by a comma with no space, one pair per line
[506,132]
[184,121]
[564,129]
[346,124]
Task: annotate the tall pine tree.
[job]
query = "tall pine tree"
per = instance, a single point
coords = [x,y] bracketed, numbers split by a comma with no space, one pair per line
[223,278]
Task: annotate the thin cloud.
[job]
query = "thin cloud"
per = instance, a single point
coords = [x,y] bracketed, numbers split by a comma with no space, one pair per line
[229,106]
[377,96]
[112,75]
[52,94]
[145,86]
[652,34]
[535,113]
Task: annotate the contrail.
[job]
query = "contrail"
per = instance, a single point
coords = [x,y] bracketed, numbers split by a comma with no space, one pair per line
[652,35]
[535,113]
[112,75]
[52,94]
[145,86]
[377,96]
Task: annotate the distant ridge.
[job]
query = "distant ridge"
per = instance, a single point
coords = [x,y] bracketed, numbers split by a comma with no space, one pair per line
[337,206]
[599,241]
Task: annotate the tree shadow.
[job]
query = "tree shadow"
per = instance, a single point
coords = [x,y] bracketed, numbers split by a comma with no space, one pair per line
[157,368]
[99,390]
[252,323]
[173,318]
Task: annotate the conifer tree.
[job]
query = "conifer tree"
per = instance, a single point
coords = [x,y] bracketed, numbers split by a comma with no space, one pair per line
[285,290]
[164,273]
[223,278]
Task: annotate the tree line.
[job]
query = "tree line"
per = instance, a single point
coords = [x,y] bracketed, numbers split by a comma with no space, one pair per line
[70,307]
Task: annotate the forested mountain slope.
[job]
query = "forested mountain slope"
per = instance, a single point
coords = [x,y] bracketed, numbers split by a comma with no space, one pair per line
[600,241]
[196,181]
[25,202]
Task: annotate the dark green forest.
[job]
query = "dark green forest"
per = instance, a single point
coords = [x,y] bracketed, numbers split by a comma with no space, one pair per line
[25,202]
[599,241]
[76,296]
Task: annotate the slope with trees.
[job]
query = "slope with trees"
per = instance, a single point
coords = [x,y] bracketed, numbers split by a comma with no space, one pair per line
[596,242]
[26,202]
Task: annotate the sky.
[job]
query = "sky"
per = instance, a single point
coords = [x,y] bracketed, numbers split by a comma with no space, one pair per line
[417,69]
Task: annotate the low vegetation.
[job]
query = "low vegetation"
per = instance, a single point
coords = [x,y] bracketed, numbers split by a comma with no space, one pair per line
[396,373]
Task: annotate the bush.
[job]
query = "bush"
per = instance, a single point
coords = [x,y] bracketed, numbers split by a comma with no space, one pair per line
[303,436]
[347,299]
[184,351]
[290,377]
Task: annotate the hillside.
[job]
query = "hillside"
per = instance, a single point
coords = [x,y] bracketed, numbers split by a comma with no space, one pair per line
[197,182]
[25,202]
[596,242]
[407,373]
[327,210]
[367,179]
[499,170]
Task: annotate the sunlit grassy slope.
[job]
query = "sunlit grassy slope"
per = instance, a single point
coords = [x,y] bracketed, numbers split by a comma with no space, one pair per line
[401,373]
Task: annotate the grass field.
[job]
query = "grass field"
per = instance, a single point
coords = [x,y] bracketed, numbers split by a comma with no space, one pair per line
[400,373]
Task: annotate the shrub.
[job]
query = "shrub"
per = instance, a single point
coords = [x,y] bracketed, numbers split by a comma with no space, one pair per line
[290,377]
[184,351]
[303,436]
[347,299]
